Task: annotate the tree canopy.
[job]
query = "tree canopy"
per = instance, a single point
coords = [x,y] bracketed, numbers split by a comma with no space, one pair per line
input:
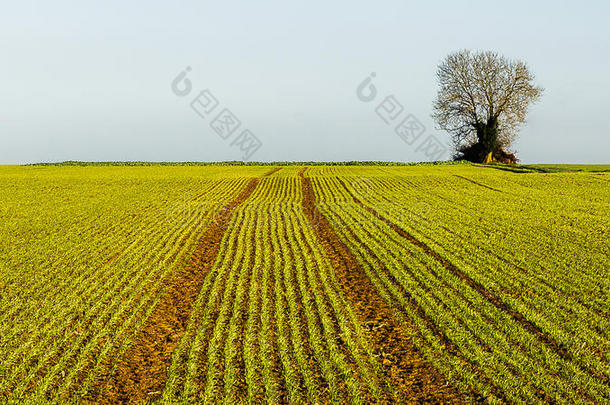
[483,99]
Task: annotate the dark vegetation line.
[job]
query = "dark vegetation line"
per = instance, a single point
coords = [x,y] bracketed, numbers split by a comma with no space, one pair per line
[242,163]
[277,169]
[142,371]
[605,168]
[477,183]
[509,168]
[545,338]
[535,275]
[415,379]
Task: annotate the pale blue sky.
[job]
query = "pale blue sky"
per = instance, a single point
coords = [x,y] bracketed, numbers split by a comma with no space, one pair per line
[90,80]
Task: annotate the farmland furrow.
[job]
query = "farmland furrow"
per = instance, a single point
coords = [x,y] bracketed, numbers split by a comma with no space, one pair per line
[373,310]
[448,298]
[350,336]
[322,329]
[548,287]
[327,284]
[494,299]
[574,373]
[253,364]
[412,301]
[192,349]
[216,375]
[86,281]
[175,257]
[143,368]
[273,377]
[304,346]
[478,184]
[550,305]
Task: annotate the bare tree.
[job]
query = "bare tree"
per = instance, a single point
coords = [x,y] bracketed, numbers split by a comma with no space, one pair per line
[482,100]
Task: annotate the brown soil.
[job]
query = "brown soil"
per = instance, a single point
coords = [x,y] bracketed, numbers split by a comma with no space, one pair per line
[142,371]
[415,380]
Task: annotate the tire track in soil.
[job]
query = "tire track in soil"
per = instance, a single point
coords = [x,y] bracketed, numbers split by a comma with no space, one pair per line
[443,337]
[414,378]
[142,372]
[534,329]
[327,307]
[478,184]
[277,169]
[432,326]
[538,278]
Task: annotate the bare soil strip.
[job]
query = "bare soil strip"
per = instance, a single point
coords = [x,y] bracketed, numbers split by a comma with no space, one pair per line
[142,371]
[415,379]
[546,339]
[277,169]
[478,184]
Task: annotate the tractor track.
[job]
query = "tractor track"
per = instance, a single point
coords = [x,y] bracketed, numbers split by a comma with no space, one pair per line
[414,379]
[142,371]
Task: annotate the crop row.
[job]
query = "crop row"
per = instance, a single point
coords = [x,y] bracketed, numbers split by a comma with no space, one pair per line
[271,322]
[494,327]
[67,314]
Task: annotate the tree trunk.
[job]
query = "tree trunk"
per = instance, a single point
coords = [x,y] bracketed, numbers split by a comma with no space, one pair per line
[487,134]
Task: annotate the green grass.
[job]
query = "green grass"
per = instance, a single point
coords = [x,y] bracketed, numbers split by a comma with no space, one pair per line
[500,278]
[537,244]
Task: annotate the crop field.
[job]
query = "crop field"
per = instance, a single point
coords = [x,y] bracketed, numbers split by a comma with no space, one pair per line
[304,284]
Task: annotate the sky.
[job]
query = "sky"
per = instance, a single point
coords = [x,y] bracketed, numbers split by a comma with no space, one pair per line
[98,81]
